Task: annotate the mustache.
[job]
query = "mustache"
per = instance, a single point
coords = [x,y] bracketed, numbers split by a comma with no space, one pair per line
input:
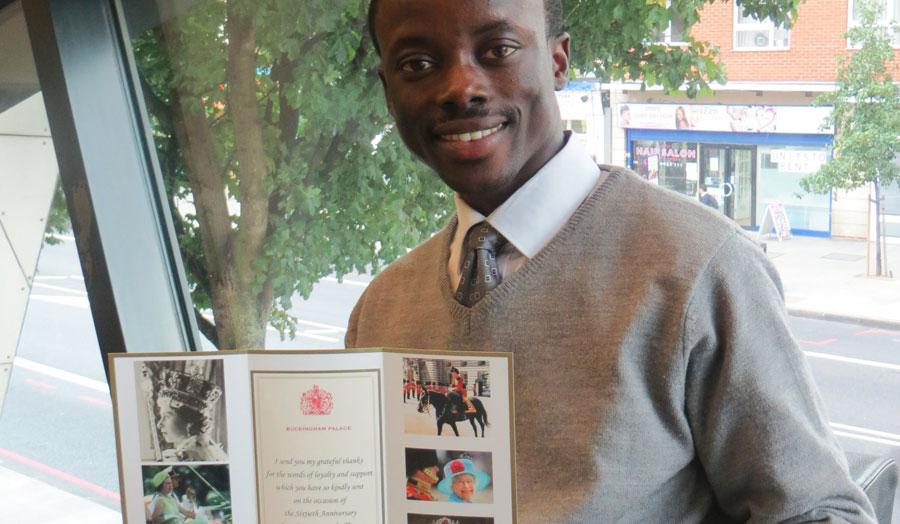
[450,115]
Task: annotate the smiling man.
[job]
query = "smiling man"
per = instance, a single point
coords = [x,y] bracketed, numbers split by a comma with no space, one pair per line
[690,401]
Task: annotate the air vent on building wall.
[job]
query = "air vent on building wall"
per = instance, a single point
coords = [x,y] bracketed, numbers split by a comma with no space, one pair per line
[745,39]
[761,39]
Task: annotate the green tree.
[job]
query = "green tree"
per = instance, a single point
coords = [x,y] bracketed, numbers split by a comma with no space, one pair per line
[269,121]
[865,115]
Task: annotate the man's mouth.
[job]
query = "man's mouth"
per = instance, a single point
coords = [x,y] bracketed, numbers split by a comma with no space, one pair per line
[473,135]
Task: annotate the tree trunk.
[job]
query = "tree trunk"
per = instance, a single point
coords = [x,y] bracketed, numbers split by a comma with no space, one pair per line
[241,308]
[878,231]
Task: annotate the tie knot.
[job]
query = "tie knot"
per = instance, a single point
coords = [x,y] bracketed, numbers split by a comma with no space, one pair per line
[483,236]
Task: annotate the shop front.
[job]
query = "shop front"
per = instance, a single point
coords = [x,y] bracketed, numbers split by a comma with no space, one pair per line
[747,157]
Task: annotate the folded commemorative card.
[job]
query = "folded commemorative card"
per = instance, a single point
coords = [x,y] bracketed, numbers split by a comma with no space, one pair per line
[320,437]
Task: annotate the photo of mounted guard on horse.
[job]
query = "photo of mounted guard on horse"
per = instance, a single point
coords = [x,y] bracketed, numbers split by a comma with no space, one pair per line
[447,391]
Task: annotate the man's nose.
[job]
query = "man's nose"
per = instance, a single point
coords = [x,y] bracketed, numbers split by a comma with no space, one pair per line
[464,85]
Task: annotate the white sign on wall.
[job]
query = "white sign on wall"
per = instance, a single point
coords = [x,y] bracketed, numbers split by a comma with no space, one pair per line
[721,117]
[798,161]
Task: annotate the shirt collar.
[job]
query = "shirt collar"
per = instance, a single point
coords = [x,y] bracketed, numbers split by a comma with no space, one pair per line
[538,210]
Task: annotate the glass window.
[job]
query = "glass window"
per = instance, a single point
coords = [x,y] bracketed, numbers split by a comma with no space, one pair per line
[779,173]
[753,34]
[670,164]
[57,399]
[674,33]
[890,12]
[577,126]
[281,163]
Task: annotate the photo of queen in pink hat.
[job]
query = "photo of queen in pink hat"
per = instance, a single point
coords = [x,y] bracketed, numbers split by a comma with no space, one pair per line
[461,480]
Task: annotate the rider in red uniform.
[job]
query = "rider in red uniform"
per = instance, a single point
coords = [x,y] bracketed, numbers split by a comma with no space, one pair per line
[456,383]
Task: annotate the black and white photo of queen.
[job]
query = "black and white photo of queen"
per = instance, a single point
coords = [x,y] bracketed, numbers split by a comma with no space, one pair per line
[182,412]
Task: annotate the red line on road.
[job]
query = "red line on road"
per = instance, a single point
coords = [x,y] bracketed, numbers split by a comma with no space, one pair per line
[877,332]
[817,342]
[95,401]
[60,474]
[39,383]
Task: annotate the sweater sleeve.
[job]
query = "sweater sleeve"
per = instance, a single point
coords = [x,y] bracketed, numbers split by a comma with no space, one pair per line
[353,323]
[759,427]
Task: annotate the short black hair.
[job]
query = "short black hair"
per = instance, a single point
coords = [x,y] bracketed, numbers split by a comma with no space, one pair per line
[552,15]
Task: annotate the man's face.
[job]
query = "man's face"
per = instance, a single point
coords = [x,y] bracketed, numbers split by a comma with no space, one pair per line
[463,486]
[471,85]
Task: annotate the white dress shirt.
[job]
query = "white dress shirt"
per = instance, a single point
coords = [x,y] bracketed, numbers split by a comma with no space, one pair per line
[535,213]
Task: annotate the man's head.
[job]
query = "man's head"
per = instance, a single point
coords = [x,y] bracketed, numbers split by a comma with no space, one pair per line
[470,84]
[552,15]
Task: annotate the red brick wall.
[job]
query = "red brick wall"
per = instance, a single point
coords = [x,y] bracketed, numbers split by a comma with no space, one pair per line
[815,42]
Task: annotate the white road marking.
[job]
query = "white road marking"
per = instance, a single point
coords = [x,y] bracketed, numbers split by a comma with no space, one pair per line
[867,438]
[893,436]
[60,374]
[317,334]
[79,292]
[79,302]
[850,360]
[347,281]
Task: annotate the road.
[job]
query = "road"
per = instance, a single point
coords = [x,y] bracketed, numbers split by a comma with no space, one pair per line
[57,426]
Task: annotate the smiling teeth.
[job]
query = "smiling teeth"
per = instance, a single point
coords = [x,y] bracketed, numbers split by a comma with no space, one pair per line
[474,135]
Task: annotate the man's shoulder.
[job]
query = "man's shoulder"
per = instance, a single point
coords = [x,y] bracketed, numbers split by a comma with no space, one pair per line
[662,225]
[650,204]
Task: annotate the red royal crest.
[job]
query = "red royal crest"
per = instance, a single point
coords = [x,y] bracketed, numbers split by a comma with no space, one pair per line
[316,402]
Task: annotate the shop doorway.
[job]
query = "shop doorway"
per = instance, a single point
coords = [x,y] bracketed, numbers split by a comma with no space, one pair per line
[728,171]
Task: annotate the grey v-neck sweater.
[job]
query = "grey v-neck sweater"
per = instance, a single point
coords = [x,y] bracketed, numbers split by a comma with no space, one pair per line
[656,379]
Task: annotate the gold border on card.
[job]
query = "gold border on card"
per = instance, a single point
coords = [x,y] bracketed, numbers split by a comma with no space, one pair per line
[183,355]
[379,445]
[512,437]
[113,389]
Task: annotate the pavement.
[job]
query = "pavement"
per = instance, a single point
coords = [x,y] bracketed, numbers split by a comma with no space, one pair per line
[822,278]
[826,278]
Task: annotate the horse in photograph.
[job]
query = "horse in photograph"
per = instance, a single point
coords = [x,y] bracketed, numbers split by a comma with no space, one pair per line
[443,411]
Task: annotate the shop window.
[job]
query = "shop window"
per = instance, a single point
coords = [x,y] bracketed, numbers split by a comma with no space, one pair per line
[670,164]
[576,126]
[890,13]
[778,181]
[750,33]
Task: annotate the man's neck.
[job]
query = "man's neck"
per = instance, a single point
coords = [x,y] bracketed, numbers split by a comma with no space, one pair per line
[486,203]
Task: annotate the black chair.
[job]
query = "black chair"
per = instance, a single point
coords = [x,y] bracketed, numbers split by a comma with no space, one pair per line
[877,476]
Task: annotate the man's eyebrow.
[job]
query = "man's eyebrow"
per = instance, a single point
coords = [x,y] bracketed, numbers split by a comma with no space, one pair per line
[410,41]
[498,25]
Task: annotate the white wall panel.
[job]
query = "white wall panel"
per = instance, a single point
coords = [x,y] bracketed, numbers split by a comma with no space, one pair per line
[28,173]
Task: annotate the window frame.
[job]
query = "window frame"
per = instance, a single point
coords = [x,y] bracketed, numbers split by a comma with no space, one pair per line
[891,12]
[667,33]
[767,26]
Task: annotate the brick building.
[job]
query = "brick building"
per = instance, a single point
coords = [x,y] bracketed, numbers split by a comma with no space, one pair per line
[759,134]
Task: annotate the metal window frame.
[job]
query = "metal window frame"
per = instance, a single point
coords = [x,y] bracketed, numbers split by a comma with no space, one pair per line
[133,273]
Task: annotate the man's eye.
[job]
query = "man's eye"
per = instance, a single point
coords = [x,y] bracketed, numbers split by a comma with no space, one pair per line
[416,65]
[501,51]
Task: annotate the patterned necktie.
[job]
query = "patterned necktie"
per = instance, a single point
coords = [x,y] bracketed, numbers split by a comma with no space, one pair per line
[480,273]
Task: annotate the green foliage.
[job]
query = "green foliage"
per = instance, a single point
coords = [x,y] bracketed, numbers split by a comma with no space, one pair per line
[613,39]
[340,191]
[865,110]
[58,222]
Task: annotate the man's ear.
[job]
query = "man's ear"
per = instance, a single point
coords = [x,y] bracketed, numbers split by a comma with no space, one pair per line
[387,97]
[559,55]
